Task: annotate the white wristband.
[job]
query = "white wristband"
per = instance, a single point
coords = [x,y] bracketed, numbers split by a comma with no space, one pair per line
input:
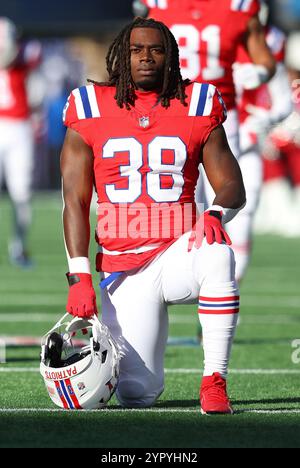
[79,265]
[250,75]
[228,213]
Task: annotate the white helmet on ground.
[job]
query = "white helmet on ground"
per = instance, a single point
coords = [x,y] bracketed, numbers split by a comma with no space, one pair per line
[78,375]
[8,42]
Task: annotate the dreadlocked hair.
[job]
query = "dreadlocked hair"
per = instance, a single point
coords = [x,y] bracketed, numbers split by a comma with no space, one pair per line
[118,61]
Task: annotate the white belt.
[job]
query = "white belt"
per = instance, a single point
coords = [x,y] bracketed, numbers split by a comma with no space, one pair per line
[138,250]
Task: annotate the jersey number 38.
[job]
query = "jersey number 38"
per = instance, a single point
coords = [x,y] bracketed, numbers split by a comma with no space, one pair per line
[157,169]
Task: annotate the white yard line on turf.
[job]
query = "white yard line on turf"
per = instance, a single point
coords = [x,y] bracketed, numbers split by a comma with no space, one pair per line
[13,370]
[270,301]
[240,371]
[248,319]
[5,369]
[141,410]
[22,317]
[30,299]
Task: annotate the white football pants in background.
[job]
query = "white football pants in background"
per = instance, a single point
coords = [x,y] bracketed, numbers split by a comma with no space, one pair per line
[16,166]
[240,229]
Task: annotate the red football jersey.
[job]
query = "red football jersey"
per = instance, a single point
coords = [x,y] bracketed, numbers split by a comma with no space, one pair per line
[13,94]
[146,167]
[260,97]
[208,33]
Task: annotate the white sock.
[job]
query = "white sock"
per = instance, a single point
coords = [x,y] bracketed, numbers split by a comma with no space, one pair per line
[218,315]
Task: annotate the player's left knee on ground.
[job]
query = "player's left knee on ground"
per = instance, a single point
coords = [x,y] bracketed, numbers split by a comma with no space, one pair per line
[135,394]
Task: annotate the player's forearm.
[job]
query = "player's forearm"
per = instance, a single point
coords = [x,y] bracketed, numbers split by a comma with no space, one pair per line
[268,63]
[231,195]
[76,228]
[261,55]
[223,171]
[259,51]
[77,185]
[230,199]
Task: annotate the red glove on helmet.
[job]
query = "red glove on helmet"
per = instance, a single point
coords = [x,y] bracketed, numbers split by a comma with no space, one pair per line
[209,225]
[82,296]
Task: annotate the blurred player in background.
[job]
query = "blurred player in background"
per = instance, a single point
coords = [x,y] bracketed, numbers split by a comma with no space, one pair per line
[259,110]
[16,136]
[209,33]
[281,191]
[140,138]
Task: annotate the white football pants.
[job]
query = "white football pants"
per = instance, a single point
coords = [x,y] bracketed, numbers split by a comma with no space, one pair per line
[135,310]
[16,158]
[16,166]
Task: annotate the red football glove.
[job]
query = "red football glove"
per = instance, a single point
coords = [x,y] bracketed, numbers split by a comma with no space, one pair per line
[209,225]
[82,297]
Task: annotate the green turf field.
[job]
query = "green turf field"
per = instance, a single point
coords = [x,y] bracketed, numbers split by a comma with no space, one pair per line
[264,383]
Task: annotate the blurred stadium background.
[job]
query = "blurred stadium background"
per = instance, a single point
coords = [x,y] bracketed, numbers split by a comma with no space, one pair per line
[74,37]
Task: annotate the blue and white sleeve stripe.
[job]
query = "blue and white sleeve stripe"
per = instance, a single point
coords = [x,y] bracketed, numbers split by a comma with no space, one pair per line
[202,100]
[86,102]
[162,4]
[241,5]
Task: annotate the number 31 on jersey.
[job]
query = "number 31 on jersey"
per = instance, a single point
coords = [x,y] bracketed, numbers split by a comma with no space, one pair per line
[189,53]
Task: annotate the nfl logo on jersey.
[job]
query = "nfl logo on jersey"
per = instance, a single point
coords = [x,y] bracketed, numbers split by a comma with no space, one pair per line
[144,122]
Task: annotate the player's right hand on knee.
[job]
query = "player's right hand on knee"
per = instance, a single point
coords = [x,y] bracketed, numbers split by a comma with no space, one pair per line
[209,225]
[82,296]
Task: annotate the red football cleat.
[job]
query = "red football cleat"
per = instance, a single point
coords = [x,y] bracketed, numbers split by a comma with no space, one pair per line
[213,396]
